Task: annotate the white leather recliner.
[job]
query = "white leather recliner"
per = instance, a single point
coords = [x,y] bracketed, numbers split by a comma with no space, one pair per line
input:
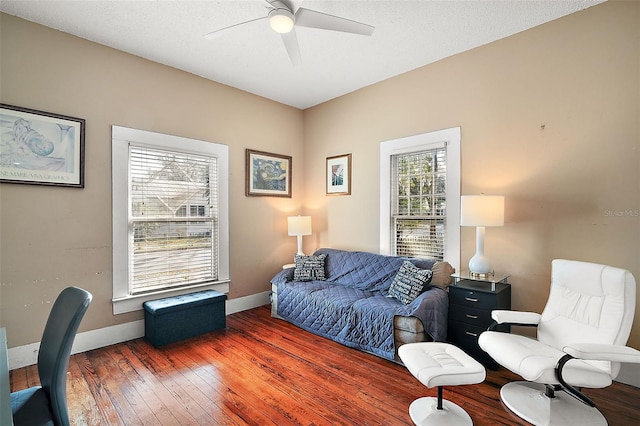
[581,338]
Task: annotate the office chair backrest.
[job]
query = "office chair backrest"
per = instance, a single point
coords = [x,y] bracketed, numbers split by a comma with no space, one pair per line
[588,303]
[55,347]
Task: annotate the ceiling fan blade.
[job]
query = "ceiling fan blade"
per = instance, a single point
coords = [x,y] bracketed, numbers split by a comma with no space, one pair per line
[291,44]
[314,19]
[221,31]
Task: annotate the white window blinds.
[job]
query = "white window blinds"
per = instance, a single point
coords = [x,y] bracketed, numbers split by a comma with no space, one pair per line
[418,203]
[173,219]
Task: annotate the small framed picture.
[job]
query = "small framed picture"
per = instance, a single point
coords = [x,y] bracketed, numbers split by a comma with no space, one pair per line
[41,148]
[339,175]
[267,174]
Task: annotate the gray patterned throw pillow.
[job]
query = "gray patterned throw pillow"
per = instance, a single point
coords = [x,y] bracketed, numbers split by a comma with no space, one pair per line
[409,282]
[309,268]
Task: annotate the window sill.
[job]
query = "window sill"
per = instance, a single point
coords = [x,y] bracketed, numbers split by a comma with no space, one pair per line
[133,303]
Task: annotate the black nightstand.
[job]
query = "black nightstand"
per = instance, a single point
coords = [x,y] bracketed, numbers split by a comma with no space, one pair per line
[471,300]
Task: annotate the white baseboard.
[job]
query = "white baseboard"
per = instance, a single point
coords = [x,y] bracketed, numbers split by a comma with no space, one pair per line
[248,302]
[22,356]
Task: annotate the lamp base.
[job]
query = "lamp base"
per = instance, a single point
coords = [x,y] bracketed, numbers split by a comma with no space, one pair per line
[479,265]
[299,253]
[482,275]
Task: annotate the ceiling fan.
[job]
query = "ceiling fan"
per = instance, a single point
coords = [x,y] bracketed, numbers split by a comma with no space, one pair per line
[283,21]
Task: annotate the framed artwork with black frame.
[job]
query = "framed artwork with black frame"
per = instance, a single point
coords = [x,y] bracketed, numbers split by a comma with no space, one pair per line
[267,174]
[339,175]
[41,148]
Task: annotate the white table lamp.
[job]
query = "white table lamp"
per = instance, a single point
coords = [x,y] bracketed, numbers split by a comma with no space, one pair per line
[299,226]
[481,211]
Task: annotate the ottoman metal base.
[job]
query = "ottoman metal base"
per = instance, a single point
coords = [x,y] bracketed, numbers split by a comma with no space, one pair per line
[528,400]
[424,411]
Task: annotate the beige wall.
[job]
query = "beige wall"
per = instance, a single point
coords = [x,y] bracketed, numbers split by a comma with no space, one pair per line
[549,118]
[54,237]
[578,76]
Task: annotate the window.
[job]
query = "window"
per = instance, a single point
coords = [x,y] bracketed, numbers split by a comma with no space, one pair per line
[170,219]
[419,203]
[420,196]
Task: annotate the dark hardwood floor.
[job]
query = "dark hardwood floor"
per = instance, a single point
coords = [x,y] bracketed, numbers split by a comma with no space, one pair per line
[264,371]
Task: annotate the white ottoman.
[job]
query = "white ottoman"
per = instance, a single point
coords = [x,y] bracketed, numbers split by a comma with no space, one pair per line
[440,364]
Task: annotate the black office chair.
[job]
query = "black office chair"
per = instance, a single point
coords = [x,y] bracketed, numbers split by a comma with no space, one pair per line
[47,404]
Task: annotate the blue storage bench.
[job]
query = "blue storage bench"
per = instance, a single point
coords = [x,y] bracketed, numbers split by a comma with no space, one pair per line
[177,318]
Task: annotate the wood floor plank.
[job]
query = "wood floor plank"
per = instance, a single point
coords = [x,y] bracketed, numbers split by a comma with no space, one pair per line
[231,393]
[356,385]
[285,381]
[252,380]
[18,378]
[174,376]
[153,386]
[84,405]
[107,373]
[198,389]
[265,371]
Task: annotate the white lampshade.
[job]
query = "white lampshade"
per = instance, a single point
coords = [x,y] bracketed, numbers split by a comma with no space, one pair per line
[281,20]
[299,225]
[482,210]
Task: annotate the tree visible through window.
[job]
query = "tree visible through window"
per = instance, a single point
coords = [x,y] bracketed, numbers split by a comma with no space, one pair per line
[174,219]
[419,203]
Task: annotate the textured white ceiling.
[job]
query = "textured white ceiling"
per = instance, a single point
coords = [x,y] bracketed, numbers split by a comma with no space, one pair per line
[408,34]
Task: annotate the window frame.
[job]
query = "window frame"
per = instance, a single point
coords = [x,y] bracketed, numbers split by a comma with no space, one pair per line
[421,142]
[123,301]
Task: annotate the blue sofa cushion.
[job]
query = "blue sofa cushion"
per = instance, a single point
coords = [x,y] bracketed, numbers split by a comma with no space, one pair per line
[409,282]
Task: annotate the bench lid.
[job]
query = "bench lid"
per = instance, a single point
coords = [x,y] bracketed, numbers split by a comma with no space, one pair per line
[175,303]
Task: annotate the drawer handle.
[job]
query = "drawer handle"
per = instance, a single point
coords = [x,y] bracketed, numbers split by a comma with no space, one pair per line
[469,299]
[472,316]
[471,334]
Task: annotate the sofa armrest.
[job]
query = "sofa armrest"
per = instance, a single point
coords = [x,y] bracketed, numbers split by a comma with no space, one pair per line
[431,309]
[283,276]
[442,272]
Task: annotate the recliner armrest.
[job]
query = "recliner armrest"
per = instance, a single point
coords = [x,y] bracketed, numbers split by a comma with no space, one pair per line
[603,352]
[593,352]
[515,317]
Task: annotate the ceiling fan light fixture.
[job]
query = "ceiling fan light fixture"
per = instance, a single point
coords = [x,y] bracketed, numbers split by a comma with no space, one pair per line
[281,20]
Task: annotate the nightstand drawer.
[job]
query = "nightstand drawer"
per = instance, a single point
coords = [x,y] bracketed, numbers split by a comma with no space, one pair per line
[465,336]
[475,299]
[470,315]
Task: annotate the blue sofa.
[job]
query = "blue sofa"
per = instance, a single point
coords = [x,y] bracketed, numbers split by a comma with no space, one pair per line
[351,305]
